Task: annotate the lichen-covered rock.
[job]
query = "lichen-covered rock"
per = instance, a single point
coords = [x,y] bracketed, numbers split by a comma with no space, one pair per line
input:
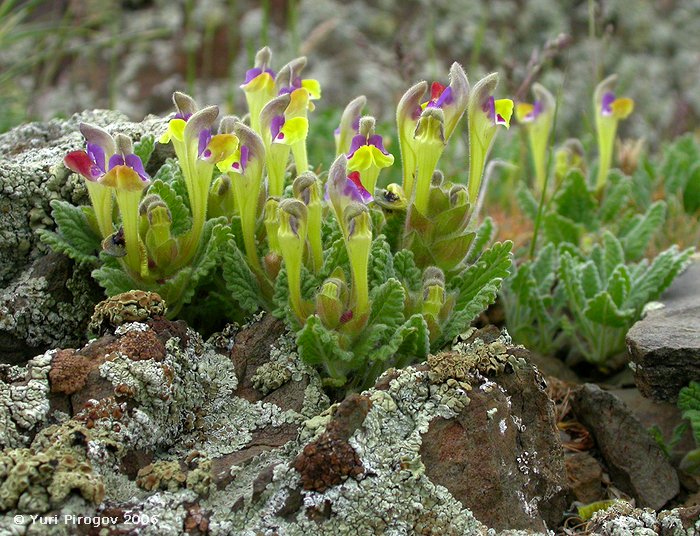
[500,456]
[168,442]
[45,306]
[623,519]
[46,302]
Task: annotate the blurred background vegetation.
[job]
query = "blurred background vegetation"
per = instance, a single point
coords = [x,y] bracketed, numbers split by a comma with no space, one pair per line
[61,56]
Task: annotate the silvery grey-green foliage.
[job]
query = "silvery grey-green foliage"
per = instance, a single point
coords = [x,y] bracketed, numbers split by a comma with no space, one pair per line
[588,282]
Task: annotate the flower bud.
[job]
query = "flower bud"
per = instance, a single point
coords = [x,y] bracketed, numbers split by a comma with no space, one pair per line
[331,302]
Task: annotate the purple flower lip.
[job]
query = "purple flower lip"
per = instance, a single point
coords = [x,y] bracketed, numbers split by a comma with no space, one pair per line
[204,139]
[537,109]
[296,84]
[440,96]
[98,157]
[181,115]
[255,72]
[606,103]
[360,141]
[275,126]
[131,161]
[242,163]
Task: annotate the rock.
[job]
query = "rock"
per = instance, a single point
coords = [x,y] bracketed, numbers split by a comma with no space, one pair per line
[585,477]
[655,413]
[170,435]
[551,366]
[46,301]
[622,519]
[501,456]
[665,345]
[635,462]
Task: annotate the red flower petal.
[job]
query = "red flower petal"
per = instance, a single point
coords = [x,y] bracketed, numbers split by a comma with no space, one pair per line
[80,162]
[436,90]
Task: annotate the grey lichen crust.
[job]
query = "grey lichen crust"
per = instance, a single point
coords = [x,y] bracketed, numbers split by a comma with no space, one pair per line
[203,457]
[622,519]
[24,400]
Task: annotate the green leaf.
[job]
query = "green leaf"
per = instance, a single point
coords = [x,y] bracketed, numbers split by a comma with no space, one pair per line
[571,280]
[112,277]
[484,235]
[406,270]
[74,235]
[617,194]
[240,280]
[602,310]
[544,268]
[637,238]
[526,201]
[559,229]
[336,255]
[410,340]
[590,280]
[477,287]
[575,201]
[182,220]
[280,296]
[619,285]
[171,174]
[318,345]
[381,265]
[144,148]
[388,304]
[649,284]
[614,255]
[691,194]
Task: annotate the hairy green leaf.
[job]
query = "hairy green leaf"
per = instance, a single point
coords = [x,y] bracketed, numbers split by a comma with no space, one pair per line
[636,240]
[387,304]
[484,235]
[381,264]
[559,229]
[602,310]
[240,280]
[318,345]
[144,148]
[574,200]
[406,270]
[74,235]
[526,201]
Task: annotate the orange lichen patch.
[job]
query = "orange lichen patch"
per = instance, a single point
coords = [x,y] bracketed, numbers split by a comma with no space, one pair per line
[132,306]
[69,371]
[142,345]
[330,459]
[197,520]
[95,410]
[326,462]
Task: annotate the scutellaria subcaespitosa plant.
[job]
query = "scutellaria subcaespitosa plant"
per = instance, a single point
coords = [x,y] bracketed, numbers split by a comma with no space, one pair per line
[368,277]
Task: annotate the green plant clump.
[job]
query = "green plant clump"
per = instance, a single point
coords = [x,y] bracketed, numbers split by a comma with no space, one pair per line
[585,279]
[368,278]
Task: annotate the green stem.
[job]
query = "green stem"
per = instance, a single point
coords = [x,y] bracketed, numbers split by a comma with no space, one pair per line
[606,140]
[427,161]
[128,202]
[300,158]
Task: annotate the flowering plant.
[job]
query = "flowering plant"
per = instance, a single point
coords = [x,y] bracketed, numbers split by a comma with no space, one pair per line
[368,277]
